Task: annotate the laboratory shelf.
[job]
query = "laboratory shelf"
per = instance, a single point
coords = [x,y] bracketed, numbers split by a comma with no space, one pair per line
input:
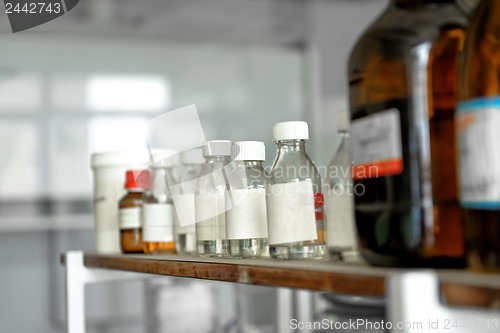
[458,287]
[410,295]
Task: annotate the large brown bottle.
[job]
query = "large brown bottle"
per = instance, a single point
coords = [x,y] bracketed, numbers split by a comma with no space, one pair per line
[402,79]
[478,129]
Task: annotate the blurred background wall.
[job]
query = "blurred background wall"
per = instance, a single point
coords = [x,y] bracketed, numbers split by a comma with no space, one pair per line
[89,80]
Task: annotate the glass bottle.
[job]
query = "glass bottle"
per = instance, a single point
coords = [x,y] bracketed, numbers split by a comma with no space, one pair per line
[296,222]
[402,80]
[158,211]
[130,211]
[478,121]
[185,232]
[210,200]
[339,202]
[246,215]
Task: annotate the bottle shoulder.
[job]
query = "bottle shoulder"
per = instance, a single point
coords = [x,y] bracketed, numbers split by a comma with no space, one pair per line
[397,30]
[131,199]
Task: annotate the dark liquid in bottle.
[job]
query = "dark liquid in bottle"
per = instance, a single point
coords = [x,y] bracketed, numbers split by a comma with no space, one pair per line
[411,218]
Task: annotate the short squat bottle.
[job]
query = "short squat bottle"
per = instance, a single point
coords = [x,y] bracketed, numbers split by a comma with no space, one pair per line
[339,202]
[210,200]
[130,211]
[294,200]
[184,226]
[158,211]
[246,216]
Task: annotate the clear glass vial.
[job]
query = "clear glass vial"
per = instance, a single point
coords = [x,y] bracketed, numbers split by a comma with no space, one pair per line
[158,209]
[210,200]
[246,215]
[296,222]
[130,211]
[185,233]
[339,202]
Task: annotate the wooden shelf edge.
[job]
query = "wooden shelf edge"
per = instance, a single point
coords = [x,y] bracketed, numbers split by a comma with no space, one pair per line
[459,287]
[263,275]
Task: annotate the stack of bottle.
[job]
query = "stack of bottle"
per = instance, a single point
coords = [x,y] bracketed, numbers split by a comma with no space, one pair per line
[226,205]
[415,180]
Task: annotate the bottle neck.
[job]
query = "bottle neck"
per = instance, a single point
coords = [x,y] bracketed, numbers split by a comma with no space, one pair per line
[217,159]
[251,163]
[291,145]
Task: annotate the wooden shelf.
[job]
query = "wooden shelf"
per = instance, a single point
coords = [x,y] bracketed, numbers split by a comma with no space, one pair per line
[460,287]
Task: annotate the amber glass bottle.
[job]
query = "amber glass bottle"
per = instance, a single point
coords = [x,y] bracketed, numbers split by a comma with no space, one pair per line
[402,80]
[478,123]
[129,212]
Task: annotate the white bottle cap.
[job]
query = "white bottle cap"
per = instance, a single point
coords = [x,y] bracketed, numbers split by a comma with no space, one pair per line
[217,148]
[290,130]
[343,120]
[192,156]
[248,151]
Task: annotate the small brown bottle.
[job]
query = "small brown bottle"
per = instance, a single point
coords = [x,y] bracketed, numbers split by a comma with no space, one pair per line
[130,211]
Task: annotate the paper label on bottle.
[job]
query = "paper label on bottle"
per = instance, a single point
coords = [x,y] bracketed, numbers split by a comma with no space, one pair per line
[157,222]
[210,217]
[340,228]
[185,209]
[130,218]
[248,216]
[478,132]
[376,145]
[290,212]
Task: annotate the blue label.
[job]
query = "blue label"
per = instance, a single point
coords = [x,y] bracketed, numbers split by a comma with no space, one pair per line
[479,104]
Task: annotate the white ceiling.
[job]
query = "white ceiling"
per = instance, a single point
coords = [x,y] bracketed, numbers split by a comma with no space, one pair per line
[267,21]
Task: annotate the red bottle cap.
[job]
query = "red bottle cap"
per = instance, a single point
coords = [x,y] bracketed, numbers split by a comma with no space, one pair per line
[137,179]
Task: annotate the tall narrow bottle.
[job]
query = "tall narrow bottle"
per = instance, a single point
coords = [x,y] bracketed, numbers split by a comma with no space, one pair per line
[210,200]
[339,201]
[246,216]
[185,232]
[478,124]
[294,200]
[402,75]
[158,210]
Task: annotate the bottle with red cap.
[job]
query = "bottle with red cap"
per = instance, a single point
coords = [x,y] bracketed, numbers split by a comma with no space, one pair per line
[130,211]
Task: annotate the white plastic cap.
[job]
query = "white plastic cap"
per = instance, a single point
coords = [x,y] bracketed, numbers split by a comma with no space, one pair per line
[248,151]
[193,156]
[343,120]
[119,158]
[290,130]
[217,148]
[166,158]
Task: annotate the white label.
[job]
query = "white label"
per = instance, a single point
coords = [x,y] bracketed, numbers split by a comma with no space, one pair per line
[157,222]
[248,217]
[290,212]
[184,214]
[210,222]
[341,231]
[184,209]
[130,218]
[376,145]
[479,136]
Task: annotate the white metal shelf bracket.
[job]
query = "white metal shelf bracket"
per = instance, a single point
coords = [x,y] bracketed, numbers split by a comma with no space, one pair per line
[414,304]
[77,276]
